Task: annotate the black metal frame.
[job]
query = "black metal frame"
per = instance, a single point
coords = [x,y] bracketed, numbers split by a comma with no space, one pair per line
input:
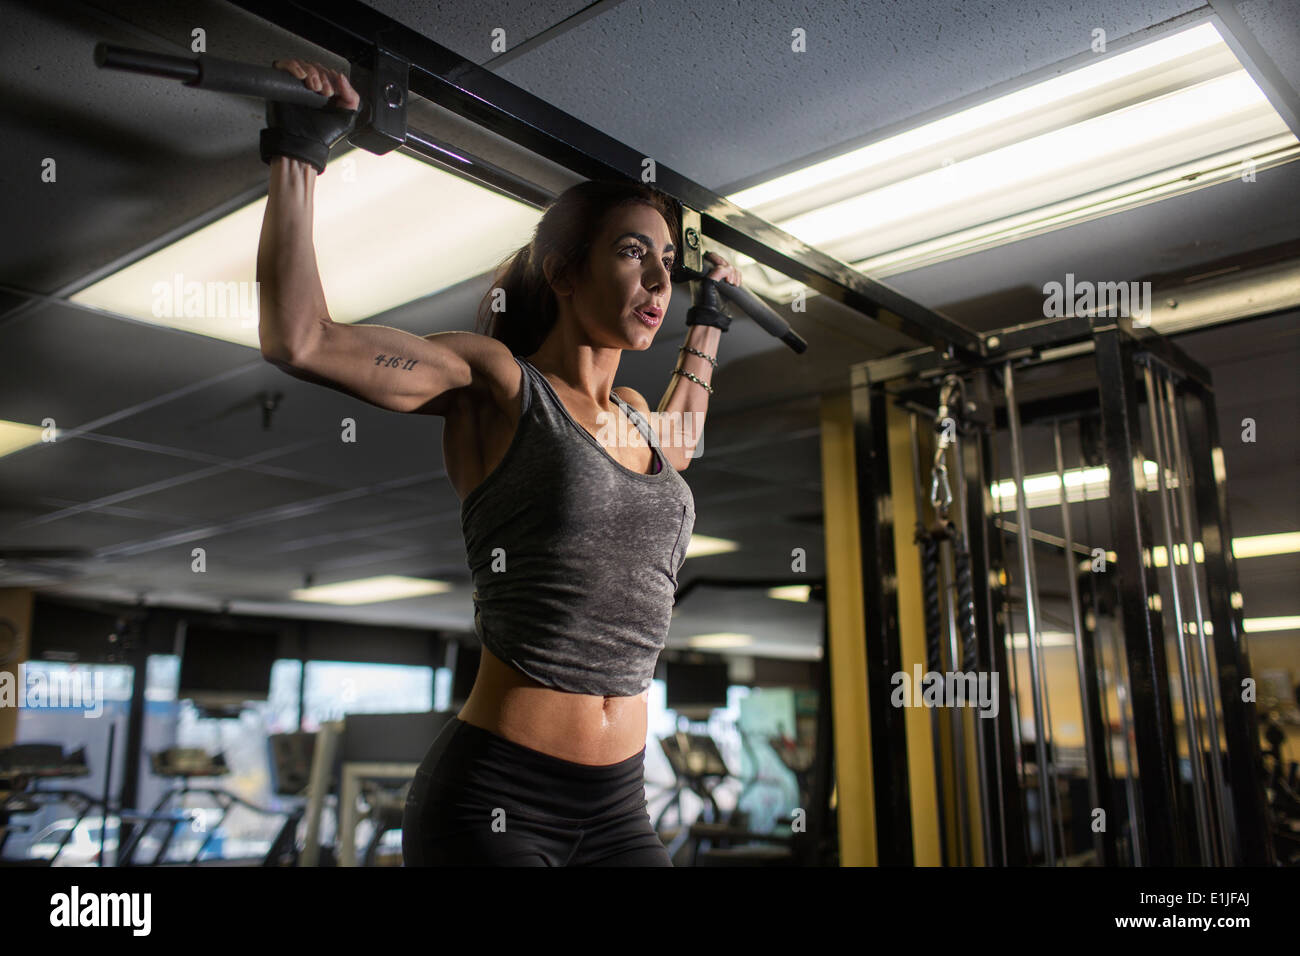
[1035,342]
[1098,732]
[1006,836]
[1163,808]
[1166,830]
[356,32]
[892,791]
[1240,721]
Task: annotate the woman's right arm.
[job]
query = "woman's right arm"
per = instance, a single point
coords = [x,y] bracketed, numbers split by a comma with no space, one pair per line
[386,367]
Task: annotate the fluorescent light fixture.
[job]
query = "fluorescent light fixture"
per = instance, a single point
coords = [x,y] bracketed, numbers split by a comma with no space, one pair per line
[1160,556]
[1143,125]
[15,436]
[387,230]
[1263,545]
[1258,546]
[1258,625]
[1047,639]
[1254,546]
[721,640]
[1044,490]
[702,546]
[388,587]
[790,592]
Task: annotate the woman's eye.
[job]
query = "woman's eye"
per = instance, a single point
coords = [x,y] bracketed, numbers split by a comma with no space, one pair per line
[668,263]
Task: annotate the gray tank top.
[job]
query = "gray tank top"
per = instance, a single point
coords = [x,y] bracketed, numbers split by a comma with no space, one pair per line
[574,556]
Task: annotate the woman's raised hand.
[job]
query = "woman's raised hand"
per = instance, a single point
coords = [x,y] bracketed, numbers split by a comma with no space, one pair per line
[333,83]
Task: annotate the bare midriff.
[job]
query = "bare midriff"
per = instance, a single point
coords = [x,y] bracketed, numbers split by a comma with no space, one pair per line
[580,728]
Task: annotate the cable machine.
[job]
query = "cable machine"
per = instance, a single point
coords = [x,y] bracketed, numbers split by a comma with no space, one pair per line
[1087,540]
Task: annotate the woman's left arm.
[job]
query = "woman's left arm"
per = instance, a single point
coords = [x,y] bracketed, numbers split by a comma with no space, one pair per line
[681,411]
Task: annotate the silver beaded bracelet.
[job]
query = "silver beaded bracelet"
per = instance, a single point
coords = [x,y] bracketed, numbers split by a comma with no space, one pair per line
[682,371]
[712,361]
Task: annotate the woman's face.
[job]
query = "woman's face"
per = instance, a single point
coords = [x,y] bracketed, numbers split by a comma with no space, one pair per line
[628,271]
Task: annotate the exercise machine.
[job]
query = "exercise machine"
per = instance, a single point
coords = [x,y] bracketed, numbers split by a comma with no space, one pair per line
[1051,551]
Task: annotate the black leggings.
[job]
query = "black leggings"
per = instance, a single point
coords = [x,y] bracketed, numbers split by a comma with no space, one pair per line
[479,799]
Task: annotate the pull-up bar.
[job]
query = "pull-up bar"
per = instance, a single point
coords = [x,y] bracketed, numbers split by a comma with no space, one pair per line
[378,130]
[364,37]
[381,126]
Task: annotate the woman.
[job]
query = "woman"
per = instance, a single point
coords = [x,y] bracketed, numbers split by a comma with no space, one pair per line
[575,528]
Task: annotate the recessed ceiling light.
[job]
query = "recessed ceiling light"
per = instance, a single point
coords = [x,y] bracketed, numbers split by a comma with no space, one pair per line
[721,640]
[1257,625]
[389,587]
[387,230]
[15,436]
[702,545]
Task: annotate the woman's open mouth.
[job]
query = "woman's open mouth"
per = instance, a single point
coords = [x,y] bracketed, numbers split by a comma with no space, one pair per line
[649,318]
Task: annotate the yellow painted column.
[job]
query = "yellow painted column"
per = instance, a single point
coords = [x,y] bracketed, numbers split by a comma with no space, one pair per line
[911,627]
[15,645]
[846,627]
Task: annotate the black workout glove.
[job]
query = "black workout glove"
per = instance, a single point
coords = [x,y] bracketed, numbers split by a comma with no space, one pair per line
[707,309]
[304,132]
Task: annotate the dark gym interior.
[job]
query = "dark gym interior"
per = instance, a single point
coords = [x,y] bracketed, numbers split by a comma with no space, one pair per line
[1036,424]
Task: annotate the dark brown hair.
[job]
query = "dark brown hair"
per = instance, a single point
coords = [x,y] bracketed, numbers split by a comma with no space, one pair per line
[568,227]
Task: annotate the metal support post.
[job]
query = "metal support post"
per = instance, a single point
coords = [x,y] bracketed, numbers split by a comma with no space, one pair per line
[1188,689]
[1086,696]
[1031,614]
[1249,810]
[1183,476]
[1004,840]
[880,607]
[1162,802]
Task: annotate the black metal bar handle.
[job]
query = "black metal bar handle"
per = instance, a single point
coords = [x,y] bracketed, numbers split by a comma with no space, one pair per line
[206,72]
[754,307]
